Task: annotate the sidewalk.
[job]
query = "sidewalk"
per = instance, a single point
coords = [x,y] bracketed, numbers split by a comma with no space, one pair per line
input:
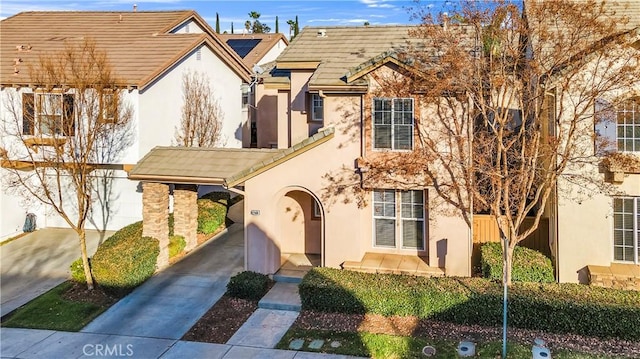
[46,344]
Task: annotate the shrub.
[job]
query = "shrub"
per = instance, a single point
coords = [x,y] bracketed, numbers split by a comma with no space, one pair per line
[528,265]
[77,271]
[124,261]
[552,307]
[176,245]
[212,211]
[248,285]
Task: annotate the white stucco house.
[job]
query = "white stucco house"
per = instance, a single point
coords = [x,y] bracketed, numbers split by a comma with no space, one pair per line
[149,52]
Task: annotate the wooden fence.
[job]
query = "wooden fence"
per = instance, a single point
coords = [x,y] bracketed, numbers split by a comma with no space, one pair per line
[485,229]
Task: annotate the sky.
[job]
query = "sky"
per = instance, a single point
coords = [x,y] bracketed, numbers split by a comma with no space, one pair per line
[309,12]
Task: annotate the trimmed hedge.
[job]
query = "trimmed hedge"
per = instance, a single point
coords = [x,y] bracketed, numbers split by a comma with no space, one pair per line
[528,265]
[248,285]
[212,211]
[124,261]
[552,307]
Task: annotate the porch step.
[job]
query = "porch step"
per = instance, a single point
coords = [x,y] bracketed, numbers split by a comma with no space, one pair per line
[282,296]
[289,276]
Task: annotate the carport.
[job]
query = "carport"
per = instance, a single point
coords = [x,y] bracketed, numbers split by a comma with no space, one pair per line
[184,168]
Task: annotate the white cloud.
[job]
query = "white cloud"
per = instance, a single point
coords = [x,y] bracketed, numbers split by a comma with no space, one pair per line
[381,4]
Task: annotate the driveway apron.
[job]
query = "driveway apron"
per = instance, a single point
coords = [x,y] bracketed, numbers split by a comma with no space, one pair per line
[171,302]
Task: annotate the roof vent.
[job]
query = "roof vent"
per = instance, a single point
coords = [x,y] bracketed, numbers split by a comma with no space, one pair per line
[322,33]
[135,7]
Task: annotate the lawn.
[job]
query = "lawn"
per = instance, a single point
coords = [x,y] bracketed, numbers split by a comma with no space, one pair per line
[61,308]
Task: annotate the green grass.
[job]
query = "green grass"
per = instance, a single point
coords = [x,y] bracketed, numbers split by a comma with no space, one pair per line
[392,347]
[51,311]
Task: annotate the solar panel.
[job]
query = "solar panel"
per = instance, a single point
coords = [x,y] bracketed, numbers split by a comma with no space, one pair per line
[243,46]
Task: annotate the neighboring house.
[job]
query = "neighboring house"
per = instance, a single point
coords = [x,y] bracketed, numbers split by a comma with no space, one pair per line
[257,51]
[149,52]
[322,112]
[595,237]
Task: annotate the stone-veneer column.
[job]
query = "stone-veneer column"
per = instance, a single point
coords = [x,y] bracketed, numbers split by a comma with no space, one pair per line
[155,218]
[185,214]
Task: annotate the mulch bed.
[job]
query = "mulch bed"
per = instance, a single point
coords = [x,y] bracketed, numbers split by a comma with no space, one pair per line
[222,320]
[98,296]
[430,329]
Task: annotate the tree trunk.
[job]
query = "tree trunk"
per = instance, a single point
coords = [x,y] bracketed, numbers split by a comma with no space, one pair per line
[85,258]
[508,263]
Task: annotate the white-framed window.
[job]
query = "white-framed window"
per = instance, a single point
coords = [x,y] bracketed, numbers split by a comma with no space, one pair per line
[48,114]
[399,215]
[393,123]
[317,108]
[628,125]
[108,107]
[626,229]
[617,129]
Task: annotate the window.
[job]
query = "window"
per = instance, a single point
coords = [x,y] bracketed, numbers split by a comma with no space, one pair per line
[393,123]
[317,108]
[626,229]
[405,221]
[617,129]
[48,114]
[628,126]
[246,90]
[108,107]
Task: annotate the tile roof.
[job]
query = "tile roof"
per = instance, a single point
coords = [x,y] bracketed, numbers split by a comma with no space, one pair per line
[252,47]
[198,165]
[343,48]
[226,166]
[139,45]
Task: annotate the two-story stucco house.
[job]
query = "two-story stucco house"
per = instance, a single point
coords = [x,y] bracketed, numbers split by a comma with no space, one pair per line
[149,52]
[322,113]
[595,220]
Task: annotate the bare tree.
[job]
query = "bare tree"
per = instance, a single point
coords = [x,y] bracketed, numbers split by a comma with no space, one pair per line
[72,122]
[202,116]
[509,105]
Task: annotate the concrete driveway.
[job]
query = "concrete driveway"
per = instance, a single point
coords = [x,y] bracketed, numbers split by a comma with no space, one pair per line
[170,302]
[37,262]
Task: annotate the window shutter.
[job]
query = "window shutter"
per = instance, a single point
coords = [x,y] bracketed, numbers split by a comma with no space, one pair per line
[28,113]
[68,121]
[605,128]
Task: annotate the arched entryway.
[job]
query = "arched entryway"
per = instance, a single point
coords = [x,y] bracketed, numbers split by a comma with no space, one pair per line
[300,223]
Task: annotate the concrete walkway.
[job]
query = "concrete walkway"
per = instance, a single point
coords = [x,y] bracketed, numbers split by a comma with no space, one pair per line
[37,262]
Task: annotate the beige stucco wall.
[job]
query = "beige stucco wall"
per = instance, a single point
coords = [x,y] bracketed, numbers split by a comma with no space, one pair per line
[278,201]
[585,231]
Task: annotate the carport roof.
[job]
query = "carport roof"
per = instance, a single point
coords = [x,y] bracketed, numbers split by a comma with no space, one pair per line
[221,166]
[196,165]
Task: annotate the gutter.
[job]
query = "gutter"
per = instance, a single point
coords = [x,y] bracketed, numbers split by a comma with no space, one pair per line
[177,179]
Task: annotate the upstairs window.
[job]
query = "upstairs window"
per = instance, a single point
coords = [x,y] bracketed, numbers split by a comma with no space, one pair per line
[617,129]
[628,126]
[393,123]
[108,107]
[317,108]
[48,114]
